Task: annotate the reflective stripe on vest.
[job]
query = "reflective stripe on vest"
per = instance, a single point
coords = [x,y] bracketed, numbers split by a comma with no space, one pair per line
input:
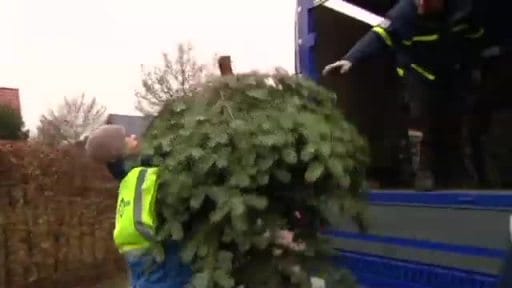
[460,27]
[401,72]
[421,38]
[423,72]
[425,38]
[384,34]
[472,35]
[479,33]
[136,219]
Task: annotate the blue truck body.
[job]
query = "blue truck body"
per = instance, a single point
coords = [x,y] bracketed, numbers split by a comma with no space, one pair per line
[455,239]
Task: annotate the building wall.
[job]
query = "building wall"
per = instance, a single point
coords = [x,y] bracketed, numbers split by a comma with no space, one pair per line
[11,98]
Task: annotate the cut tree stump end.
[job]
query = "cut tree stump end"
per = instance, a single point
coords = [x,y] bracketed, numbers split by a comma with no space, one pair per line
[225,65]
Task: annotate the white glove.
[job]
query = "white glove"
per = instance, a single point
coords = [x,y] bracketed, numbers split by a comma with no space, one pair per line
[342,65]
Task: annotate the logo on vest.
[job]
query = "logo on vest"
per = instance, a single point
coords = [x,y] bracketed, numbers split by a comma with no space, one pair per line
[122,205]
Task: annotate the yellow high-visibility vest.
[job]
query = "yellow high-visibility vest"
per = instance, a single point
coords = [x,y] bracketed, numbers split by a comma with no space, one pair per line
[136,217]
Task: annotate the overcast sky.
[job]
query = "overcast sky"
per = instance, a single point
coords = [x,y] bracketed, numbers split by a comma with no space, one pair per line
[55,48]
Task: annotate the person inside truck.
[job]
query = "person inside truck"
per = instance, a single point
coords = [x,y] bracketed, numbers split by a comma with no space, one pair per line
[494,96]
[433,42]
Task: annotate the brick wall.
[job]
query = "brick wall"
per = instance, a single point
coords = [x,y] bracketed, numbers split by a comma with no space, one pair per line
[11,98]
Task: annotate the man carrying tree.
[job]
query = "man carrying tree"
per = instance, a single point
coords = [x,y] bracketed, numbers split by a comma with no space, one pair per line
[152,263]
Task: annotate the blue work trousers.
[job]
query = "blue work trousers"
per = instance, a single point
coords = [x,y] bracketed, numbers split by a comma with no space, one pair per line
[147,272]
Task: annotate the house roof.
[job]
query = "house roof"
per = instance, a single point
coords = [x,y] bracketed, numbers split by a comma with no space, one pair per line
[133,124]
[11,98]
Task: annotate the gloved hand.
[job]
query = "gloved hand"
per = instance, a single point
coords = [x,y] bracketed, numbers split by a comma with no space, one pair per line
[342,65]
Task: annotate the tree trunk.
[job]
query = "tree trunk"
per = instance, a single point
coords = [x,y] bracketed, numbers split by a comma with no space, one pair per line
[225,65]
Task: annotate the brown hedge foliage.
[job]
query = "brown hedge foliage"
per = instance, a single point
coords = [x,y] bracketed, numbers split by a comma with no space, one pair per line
[49,171]
[56,217]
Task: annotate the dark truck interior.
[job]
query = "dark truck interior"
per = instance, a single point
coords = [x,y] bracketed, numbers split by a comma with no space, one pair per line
[370,94]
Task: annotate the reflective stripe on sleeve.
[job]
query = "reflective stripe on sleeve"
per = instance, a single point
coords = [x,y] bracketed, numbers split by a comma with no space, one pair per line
[400,71]
[384,34]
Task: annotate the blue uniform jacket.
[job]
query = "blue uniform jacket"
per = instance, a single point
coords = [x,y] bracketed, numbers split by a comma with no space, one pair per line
[171,273]
[428,46]
[398,25]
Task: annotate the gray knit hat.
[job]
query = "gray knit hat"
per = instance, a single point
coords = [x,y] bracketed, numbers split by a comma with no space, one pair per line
[106,143]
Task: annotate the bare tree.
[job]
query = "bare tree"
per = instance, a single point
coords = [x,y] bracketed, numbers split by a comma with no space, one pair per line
[178,77]
[71,121]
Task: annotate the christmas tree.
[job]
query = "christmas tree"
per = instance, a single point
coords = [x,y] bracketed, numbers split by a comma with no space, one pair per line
[248,156]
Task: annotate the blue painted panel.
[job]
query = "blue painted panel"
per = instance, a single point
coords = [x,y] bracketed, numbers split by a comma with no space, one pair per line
[421,244]
[305,40]
[472,199]
[377,271]
[381,272]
